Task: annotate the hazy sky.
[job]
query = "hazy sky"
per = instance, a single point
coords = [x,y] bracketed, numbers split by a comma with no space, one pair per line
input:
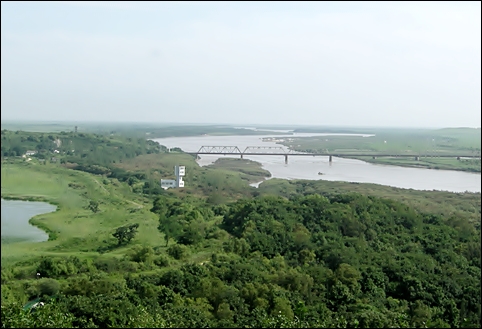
[327,63]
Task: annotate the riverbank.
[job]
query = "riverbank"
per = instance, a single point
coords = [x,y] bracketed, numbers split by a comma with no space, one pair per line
[408,143]
[250,170]
[466,165]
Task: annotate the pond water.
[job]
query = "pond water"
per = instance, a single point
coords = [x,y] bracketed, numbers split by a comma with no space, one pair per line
[319,168]
[15,217]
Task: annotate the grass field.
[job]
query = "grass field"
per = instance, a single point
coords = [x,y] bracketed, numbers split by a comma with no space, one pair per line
[75,228]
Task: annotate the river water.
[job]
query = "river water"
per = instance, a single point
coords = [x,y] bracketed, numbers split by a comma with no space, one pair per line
[347,170]
[15,217]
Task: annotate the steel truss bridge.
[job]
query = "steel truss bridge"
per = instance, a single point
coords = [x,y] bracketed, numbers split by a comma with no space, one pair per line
[280,151]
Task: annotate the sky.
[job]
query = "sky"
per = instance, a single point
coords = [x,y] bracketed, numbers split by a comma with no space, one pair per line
[402,64]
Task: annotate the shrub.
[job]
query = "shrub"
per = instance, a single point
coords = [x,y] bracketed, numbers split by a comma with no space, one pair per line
[48,287]
[178,251]
[162,261]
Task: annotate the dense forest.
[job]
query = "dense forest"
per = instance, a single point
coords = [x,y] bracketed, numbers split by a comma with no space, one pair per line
[310,261]
[94,153]
[289,254]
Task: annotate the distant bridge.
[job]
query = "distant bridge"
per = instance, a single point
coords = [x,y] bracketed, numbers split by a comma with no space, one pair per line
[280,151]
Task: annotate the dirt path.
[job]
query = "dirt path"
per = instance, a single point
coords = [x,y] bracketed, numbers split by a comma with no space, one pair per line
[101,186]
[137,204]
[106,191]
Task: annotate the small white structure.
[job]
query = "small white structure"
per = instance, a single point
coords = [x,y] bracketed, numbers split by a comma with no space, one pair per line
[30,152]
[180,172]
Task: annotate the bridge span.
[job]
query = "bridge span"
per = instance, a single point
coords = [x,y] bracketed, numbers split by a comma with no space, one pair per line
[280,151]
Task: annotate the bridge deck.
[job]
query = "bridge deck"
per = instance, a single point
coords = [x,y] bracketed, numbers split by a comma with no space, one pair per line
[342,155]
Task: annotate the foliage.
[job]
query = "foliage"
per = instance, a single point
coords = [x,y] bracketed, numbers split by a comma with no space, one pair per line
[93,206]
[320,261]
[125,234]
[405,143]
[321,254]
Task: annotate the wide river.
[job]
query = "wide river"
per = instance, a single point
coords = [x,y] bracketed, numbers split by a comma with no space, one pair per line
[347,170]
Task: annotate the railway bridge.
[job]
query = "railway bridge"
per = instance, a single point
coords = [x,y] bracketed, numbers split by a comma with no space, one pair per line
[280,151]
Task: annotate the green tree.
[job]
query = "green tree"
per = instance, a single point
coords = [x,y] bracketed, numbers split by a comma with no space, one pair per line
[125,234]
[178,251]
[51,316]
[93,206]
[171,228]
[47,286]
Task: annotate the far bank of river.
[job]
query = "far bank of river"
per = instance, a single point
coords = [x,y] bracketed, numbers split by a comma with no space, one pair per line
[15,221]
[341,169]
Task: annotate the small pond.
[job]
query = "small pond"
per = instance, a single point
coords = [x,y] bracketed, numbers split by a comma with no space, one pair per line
[15,217]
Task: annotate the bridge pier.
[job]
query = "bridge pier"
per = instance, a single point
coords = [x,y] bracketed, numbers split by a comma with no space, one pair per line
[235,151]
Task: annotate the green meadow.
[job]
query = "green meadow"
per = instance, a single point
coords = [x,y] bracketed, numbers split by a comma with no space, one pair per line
[73,228]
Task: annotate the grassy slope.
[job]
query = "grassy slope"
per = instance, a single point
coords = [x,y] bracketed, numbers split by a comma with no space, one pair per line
[77,228]
[79,231]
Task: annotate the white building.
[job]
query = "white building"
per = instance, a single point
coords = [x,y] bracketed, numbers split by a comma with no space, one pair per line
[167,183]
[180,172]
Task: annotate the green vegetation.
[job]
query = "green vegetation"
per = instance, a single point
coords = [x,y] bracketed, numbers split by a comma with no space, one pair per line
[125,253]
[250,170]
[74,227]
[140,130]
[405,143]
[466,205]
[225,180]
[125,234]
[472,165]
